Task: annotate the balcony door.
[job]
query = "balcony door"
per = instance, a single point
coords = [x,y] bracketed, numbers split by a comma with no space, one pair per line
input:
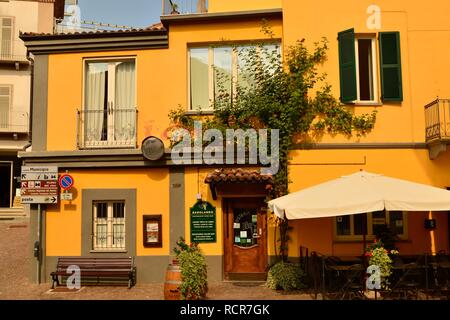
[109,114]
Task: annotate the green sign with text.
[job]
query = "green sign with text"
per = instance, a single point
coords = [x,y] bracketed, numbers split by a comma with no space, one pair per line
[203,223]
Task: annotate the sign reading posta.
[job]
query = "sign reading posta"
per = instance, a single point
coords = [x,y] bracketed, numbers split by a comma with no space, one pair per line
[39,185]
[203,223]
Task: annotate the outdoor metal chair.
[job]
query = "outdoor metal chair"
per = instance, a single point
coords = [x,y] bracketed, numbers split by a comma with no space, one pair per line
[317,273]
[344,280]
[408,278]
[353,285]
[441,268]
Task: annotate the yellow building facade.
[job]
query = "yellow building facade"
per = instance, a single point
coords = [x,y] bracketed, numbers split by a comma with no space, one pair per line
[98,96]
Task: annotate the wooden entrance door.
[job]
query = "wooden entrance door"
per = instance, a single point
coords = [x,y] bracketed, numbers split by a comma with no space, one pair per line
[245,227]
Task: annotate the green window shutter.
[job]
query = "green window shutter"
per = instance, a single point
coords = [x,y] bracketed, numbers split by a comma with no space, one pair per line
[390,66]
[347,65]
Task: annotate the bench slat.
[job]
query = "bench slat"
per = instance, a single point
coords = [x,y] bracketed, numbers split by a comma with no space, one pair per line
[97,267]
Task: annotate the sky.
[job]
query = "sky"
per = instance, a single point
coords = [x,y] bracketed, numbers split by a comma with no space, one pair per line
[134,13]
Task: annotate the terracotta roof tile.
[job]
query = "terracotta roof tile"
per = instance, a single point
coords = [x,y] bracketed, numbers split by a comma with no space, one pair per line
[238,175]
[154,27]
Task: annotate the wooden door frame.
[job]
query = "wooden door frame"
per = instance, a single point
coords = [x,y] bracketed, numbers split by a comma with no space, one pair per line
[227,248]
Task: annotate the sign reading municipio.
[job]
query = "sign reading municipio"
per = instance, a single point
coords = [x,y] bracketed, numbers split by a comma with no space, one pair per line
[39,185]
[203,223]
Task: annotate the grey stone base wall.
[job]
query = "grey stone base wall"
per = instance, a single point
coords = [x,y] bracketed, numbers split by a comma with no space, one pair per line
[150,269]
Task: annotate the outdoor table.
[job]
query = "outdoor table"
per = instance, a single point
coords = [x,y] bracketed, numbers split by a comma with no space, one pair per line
[409,278]
[352,277]
[445,264]
[349,259]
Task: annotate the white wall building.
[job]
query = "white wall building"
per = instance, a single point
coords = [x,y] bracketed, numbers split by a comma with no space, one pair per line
[15,83]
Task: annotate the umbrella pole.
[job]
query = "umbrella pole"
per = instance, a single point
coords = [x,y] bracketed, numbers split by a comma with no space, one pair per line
[364,231]
[364,237]
[365,263]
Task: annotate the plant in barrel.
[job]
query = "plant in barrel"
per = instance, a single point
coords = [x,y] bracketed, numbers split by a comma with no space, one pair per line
[193,266]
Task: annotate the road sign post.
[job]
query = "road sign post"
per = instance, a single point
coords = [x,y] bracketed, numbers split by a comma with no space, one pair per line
[39,185]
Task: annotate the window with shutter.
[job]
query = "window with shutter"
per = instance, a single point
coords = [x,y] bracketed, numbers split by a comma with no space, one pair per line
[390,66]
[347,65]
[6,37]
[5,101]
[367,89]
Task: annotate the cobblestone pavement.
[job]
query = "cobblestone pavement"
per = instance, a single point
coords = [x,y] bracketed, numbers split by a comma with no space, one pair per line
[14,283]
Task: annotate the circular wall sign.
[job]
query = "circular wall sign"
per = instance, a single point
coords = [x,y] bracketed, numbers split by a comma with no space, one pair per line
[152,148]
[66,181]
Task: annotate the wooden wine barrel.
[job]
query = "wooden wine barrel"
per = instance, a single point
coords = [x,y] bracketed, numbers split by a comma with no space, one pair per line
[172,285]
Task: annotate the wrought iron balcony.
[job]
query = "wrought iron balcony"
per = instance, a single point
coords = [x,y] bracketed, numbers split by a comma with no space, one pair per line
[14,121]
[112,128]
[184,6]
[437,126]
[437,120]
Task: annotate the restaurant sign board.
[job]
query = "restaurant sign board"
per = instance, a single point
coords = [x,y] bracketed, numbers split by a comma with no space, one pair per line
[203,223]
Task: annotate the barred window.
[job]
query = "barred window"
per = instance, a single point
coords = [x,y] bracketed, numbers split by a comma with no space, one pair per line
[109,225]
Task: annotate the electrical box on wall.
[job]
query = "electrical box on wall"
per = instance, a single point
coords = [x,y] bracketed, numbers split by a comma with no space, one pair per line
[430,224]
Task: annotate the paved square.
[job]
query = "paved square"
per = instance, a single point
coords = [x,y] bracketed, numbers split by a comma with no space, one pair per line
[15,258]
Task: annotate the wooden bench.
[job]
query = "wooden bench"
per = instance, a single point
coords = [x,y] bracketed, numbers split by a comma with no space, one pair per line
[96,269]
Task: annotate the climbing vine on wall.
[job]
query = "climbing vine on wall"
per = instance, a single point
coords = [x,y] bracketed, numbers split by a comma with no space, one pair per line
[290,95]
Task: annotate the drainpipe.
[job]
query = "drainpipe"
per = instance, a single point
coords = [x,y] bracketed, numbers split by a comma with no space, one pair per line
[30,122]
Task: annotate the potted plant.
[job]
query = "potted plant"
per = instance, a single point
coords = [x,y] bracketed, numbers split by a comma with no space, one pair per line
[286,276]
[381,257]
[174,7]
[193,266]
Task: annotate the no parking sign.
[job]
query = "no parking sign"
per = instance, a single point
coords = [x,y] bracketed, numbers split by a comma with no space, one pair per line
[66,181]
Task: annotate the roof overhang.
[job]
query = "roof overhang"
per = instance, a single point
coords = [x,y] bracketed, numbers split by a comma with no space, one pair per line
[100,41]
[238,182]
[220,16]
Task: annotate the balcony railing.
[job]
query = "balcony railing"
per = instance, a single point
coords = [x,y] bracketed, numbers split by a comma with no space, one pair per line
[184,6]
[14,121]
[437,120]
[112,128]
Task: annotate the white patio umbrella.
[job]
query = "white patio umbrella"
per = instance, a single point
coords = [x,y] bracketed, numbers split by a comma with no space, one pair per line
[360,193]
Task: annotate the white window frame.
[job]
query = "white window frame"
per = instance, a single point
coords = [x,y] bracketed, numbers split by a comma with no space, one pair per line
[234,70]
[374,70]
[110,142]
[110,222]
[369,228]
